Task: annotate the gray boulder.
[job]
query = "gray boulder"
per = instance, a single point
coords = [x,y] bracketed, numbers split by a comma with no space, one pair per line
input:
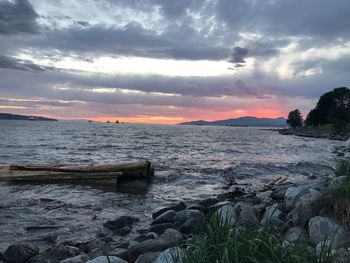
[167,217]
[160,228]
[227,214]
[61,252]
[19,253]
[171,255]
[245,214]
[292,195]
[149,257]
[214,208]
[119,253]
[307,206]
[122,225]
[144,237]
[240,214]
[279,194]
[323,228]
[295,192]
[272,215]
[191,226]
[177,208]
[171,237]
[198,207]
[208,202]
[104,259]
[182,216]
[76,259]
[293,234]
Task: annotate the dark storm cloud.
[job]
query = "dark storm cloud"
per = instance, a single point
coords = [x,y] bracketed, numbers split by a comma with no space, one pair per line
[132,40]
[238,56]
[18,64]
[257,49]
[17,17]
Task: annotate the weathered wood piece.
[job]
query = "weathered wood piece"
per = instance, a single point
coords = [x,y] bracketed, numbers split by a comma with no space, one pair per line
[273,183]
[86,173]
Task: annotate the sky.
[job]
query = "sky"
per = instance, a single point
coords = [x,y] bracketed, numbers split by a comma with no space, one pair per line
[167,61]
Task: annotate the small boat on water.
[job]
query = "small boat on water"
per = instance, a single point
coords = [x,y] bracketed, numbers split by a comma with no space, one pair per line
[89,120]
[31,118]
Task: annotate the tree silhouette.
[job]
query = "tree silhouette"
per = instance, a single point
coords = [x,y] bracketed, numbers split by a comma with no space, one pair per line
[295,119]
[333,106]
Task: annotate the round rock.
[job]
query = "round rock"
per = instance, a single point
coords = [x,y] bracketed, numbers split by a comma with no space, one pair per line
[19,253]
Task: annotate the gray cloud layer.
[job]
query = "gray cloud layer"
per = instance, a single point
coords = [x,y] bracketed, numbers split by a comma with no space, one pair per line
[228,30]
[17,17]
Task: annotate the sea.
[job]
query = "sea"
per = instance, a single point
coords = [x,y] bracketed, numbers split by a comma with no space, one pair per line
[191,163]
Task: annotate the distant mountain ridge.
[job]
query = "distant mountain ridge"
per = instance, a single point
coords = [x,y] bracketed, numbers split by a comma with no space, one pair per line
[242,121]
[8,116]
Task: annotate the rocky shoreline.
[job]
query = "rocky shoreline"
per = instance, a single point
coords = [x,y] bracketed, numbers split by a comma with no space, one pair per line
[315,132]
[303,209]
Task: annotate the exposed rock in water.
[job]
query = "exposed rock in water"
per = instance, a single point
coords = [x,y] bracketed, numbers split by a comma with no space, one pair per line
[177,208]
[19,253]
[122,225]
[167,217]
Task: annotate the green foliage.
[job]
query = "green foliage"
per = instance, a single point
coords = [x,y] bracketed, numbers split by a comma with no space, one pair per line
[343,168]
[295,119]
[332,107]
[341,192]
[222,242]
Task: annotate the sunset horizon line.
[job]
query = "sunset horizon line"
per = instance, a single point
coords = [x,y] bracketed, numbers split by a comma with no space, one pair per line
[143,119]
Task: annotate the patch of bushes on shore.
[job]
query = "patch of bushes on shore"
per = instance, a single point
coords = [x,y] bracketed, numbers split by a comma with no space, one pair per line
[223,242]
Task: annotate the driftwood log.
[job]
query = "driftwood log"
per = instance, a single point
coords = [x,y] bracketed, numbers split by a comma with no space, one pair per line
[84,173]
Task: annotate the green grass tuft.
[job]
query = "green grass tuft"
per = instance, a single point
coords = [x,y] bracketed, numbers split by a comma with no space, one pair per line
[341,192]
[222,242]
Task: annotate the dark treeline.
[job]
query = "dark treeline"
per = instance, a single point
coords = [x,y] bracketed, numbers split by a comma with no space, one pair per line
[333,108]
